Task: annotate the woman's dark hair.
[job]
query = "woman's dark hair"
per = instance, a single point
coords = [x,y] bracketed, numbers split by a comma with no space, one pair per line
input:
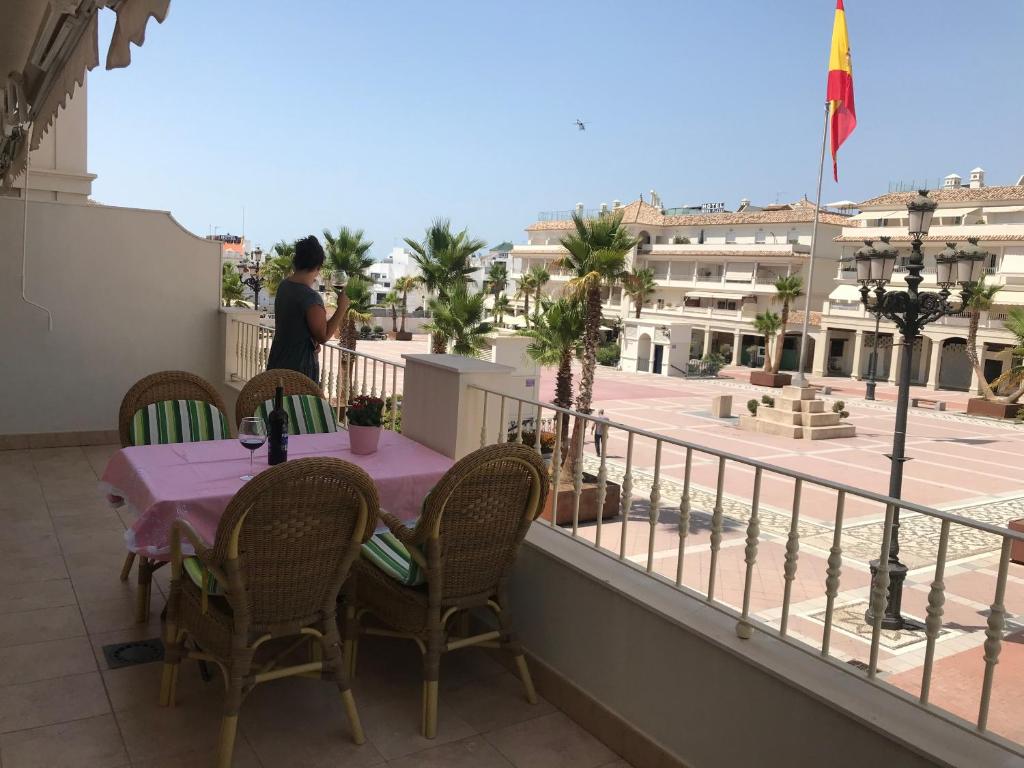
[309,254]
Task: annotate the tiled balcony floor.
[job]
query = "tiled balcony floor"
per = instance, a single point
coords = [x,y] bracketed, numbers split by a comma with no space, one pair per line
[61,707]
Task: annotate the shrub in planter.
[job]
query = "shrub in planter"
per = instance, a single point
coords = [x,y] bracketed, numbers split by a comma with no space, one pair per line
[768,400]
[608,354]
[378,329]
[839,407]
[752,406]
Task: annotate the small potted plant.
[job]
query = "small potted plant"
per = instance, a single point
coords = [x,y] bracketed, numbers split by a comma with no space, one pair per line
[365,415]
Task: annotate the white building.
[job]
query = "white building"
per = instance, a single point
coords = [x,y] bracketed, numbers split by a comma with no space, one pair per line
[715,271]
[384,273]
[995,215]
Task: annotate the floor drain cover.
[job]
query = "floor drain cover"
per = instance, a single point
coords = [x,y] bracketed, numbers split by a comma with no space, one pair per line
[137,652]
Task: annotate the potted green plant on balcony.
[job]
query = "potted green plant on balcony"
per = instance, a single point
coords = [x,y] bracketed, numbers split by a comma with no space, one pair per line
[768,325]
[980,298]
[1011,380]
[365,416]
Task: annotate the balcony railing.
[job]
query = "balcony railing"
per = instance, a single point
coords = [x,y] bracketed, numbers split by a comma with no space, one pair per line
[344,373]
[513,410]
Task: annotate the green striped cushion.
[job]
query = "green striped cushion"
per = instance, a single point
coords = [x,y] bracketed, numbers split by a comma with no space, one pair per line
[307,414]
[386,552]
[196,570]
[177,421]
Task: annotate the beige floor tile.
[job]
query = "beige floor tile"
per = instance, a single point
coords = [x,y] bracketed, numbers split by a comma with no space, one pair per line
[495,702]
[99,455]
[469,753]
[41,625]
[103,616]
[552,741]
[22,569]
[30,705]
[31,596]
[139,686]
[29,537]
[44,660]
[90,504]
[393,727]
[301,722]
[466,665]
[109,542]
[91,743]
[103,520]
[77,487]
[146,631]
[243,757]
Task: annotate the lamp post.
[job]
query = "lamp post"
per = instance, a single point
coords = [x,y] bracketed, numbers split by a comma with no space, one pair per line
[911,310]
[249,271]
[873,307]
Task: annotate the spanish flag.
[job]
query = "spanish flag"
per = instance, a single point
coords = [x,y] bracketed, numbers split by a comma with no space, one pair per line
[840,86]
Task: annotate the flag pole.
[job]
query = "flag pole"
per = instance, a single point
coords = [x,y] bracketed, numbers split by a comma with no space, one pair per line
[801,379]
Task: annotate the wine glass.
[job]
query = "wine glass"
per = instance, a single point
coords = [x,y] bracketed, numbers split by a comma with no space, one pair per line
[252,434]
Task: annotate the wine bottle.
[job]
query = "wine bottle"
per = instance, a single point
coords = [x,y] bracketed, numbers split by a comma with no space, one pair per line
[278,429]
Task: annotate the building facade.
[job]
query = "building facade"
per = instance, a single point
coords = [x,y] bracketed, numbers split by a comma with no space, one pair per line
[995,215]
[715,271]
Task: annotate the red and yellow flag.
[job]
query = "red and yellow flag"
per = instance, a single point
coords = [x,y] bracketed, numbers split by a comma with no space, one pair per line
[840,86]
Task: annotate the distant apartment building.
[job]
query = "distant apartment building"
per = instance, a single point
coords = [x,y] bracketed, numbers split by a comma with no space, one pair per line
[995,215]
[384,273]
[233,248]
[715,270]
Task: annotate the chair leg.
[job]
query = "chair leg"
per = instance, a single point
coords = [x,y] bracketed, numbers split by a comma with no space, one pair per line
[510,642]
[226,749]
[431,673]
[127,567]
[145,584]
[172,662]
[338,665]
[241,661]
[350,648]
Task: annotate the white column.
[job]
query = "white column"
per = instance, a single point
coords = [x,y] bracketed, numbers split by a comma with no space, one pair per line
[934,364]
[858,347]
[820,351]
[898,351]
[707,341]
[737,341]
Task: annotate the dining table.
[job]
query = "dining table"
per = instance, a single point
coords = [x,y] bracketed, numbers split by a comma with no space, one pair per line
[160,484]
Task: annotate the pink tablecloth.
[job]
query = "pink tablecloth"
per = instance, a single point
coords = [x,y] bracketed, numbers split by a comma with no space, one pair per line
[195,481]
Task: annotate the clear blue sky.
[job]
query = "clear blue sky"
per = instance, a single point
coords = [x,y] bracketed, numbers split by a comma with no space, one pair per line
[383,115]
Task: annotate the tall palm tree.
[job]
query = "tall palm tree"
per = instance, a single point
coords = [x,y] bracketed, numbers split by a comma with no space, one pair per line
[443,259]
[1014,377]
[787,290]
[403,285]
[231,289]
[347,253]
[524,291]
[768,325]
[979,298]
[458,318]
[278,266]
[638,285]
[501,306]
[539,277]
[555,340]
[596,256]
[358,291]
[497,277]
[392,302]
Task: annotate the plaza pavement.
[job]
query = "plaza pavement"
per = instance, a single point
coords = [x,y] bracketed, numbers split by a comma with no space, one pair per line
[964,464]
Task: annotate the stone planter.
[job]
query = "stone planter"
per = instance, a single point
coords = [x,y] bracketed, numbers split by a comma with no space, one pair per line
[979,406]
[765,379]
[400,335]
[588,501]
[1017,547]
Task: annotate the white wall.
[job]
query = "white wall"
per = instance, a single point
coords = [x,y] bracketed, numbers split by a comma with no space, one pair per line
[131,292]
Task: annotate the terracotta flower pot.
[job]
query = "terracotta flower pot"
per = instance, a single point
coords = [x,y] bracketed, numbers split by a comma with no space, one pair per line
[363,440]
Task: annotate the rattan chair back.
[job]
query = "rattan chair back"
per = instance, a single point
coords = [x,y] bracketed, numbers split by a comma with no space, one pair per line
[165,385]
[479,513]
[262,386]
[288,538]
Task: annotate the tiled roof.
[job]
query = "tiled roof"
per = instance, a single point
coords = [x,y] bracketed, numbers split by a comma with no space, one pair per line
[645,214]
[933,238]
[955,195]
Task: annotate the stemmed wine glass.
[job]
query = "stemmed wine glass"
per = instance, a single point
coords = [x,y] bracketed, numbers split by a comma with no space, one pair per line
[252,434]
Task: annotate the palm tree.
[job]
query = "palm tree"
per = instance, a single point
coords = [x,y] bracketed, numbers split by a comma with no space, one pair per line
[403,285]
[524,291]
[768,324]
[443,259]
[1014,377]
[501,306]
[278,267]
[230,284]
[638,285]
[596,256]
[555,340]
[978,298]
[539,277]
[358,291]
[392,301]
[458,318]
[347,253]
[497,277]
[787,290]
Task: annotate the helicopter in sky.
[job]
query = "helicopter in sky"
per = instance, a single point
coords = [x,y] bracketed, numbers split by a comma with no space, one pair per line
[581,125]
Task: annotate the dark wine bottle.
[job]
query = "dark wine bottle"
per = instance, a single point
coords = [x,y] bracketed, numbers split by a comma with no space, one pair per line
[278,429]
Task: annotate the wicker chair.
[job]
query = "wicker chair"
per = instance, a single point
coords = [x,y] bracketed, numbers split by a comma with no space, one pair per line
[466,543]
[261,388]
[165,385]
[282,551]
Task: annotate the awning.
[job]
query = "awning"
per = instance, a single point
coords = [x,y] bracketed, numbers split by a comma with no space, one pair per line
[946,212]
[1003,209]
[866,215]
[736,270]
[845,293]
[707,295]
[45,51]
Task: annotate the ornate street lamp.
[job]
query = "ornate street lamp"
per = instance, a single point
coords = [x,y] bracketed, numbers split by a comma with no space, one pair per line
[249,271]
[911,310]
[877,266]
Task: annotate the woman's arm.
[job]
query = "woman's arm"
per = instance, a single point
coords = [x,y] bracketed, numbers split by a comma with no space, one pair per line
[321,328]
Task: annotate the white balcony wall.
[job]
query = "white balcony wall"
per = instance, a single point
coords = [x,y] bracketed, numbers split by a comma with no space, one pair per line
[131,291]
